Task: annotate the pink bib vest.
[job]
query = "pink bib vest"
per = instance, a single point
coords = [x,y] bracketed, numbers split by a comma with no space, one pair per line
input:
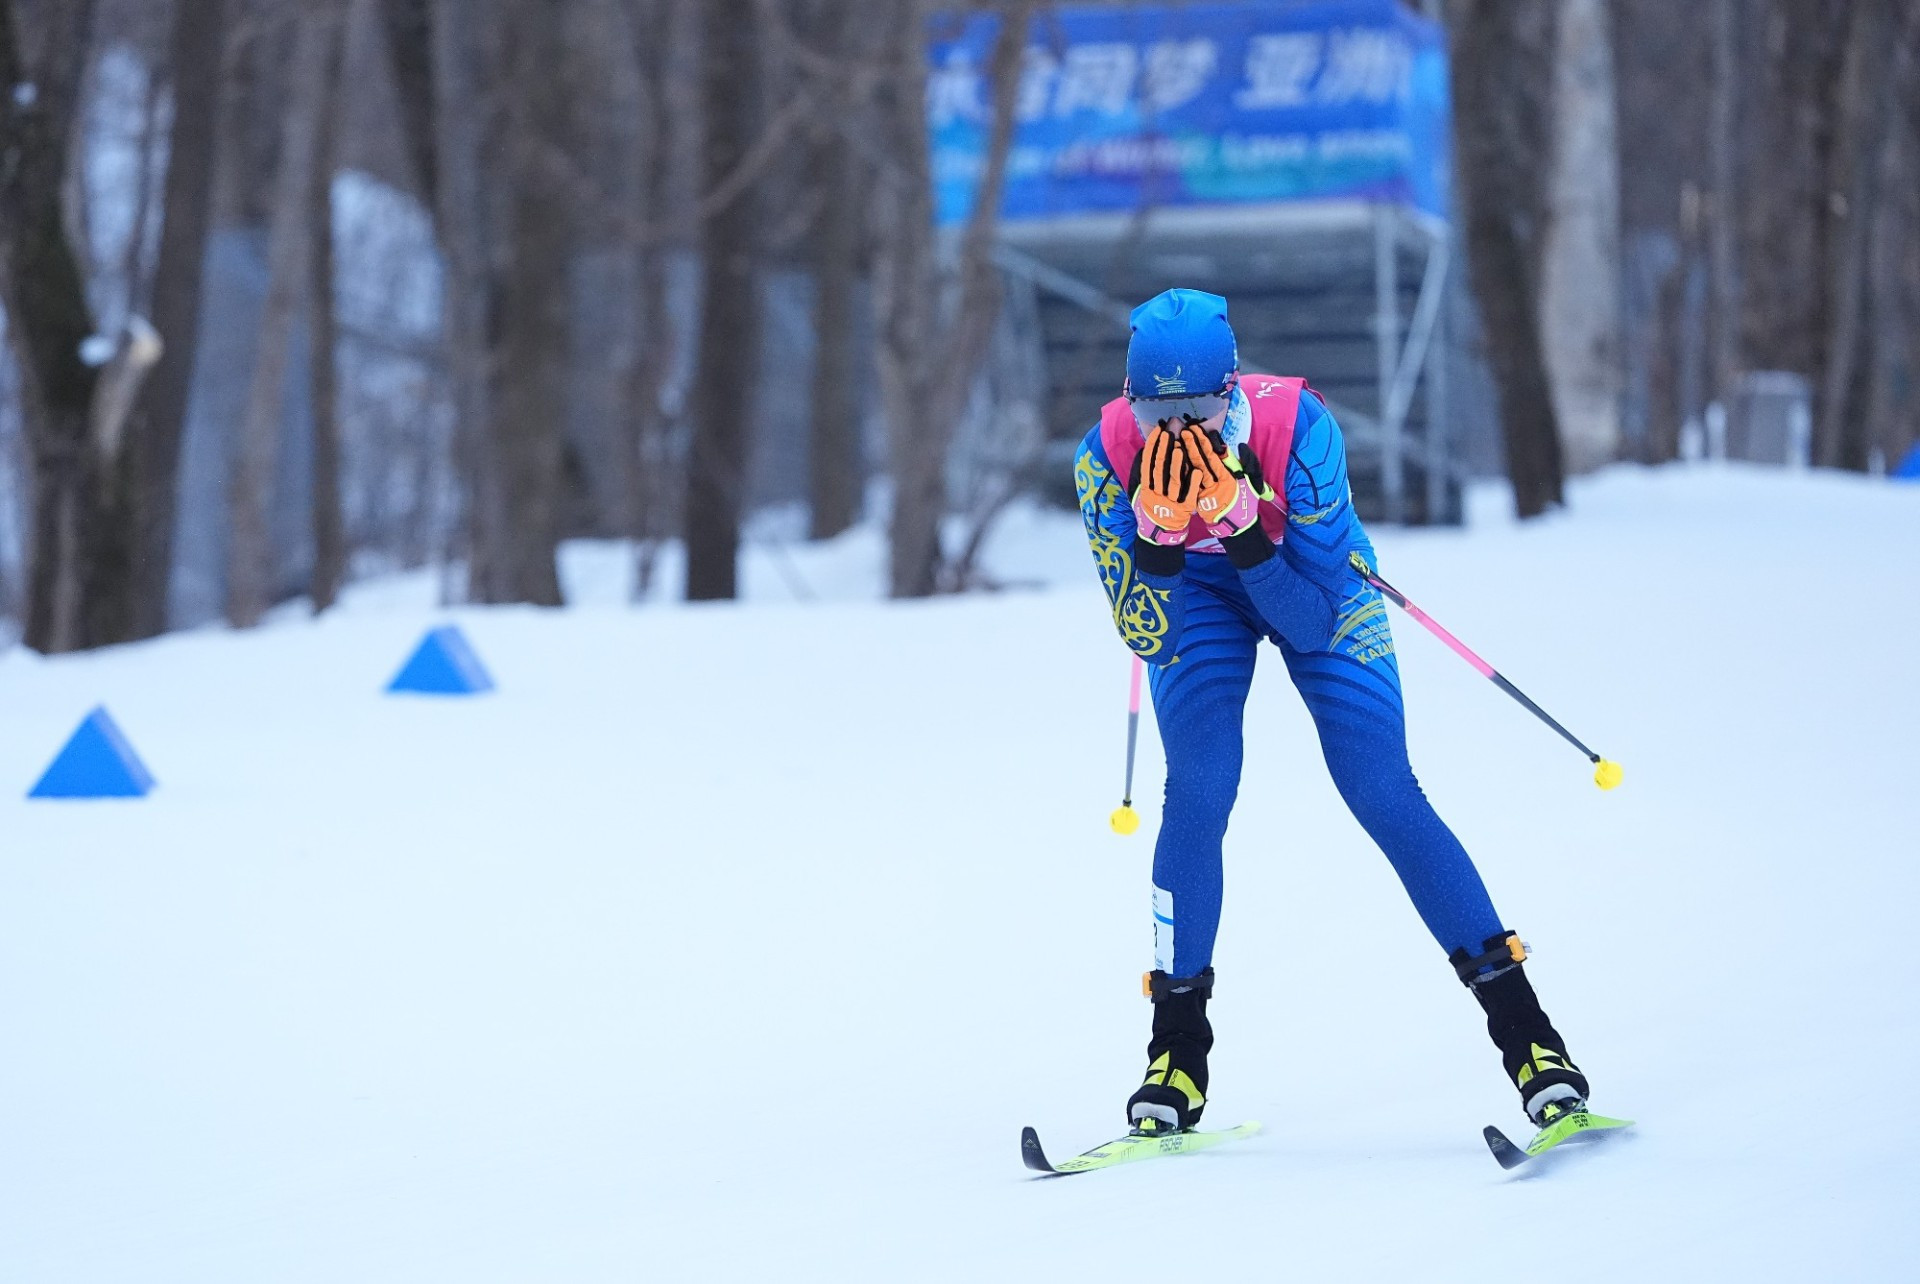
[1275,402]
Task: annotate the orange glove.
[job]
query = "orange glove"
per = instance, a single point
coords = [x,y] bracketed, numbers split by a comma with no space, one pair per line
[1163,495]
[1229,489]
[1217,486]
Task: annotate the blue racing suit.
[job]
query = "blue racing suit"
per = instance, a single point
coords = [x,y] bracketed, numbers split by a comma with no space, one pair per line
[1200,630]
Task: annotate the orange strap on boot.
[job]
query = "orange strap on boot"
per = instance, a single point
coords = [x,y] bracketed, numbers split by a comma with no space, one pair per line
[1502,952]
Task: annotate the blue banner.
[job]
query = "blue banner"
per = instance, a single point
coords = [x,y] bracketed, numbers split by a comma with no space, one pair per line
[1196,105]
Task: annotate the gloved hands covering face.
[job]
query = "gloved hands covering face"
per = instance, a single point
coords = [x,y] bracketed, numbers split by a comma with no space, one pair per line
[1164,488]
[1229,486]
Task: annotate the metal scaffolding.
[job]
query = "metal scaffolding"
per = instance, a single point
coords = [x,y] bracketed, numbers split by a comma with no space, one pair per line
[1350,294]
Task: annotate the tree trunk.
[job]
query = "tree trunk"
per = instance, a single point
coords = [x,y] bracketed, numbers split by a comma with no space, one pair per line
[48,318]
[408,27]
[1790,221]
[1814,133]
[835,473]
[524,442]
[906,296]
[152,463]
[1663,72]
[250,552]
[1580,278]
[1895,271]
[464,227]
[1723,227]
[1841,438]
[662,31]
[1665,413]
[926,367]
[329,521]
[1503,120]
[729,353]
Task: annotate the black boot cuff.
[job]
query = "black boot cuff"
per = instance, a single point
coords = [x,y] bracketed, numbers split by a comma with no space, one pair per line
[1161,987]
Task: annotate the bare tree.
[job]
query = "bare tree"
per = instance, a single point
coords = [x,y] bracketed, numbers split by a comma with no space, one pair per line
[408,27]
[1580,272]
[1788,215]
[1814,135]
[504,224]
[1798,252]
[47,319]
[1664,75]
[834,465]
[730,313]
[1723,227]
[75,409]
[152,463]
[461,52]
[1842,433]
[1895,267]
[1503,126]
[250,558]
[933,326]
[515,560]
[329,517]
[664,42]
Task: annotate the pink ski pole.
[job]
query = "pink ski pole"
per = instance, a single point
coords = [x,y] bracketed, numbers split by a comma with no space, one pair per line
[1606,773]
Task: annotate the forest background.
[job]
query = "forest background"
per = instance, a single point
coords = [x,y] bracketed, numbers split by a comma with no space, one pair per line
[406,283]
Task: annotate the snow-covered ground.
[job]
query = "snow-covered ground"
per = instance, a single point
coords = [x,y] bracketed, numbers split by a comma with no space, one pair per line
[738,942]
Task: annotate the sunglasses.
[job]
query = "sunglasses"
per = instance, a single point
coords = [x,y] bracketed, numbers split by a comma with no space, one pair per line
[1149,412]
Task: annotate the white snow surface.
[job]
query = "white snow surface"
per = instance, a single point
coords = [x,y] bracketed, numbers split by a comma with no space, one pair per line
[738,941]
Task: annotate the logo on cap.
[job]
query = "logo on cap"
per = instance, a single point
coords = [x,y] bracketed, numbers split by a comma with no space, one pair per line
[1175,382]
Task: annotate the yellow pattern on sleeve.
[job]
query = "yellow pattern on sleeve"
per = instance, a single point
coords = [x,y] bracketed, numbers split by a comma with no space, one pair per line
[1139,610]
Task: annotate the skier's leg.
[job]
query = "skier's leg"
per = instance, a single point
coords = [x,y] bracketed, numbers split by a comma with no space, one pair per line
[1353,693]
[1197,703]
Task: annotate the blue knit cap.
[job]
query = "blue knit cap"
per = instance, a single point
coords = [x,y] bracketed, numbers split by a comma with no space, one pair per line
[1181,345]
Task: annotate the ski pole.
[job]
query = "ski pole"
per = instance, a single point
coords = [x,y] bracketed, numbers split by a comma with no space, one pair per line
[1606,773]
[1125,819]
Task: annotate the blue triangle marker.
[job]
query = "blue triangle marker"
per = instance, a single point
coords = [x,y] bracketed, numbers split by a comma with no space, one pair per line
[443,664]
[96,763]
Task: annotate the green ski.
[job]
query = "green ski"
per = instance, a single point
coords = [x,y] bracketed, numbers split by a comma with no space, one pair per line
[1583,1125]
[1128,1149]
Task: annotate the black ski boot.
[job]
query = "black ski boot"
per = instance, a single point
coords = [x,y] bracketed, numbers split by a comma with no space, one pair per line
[1534,1053]
[1175,1090]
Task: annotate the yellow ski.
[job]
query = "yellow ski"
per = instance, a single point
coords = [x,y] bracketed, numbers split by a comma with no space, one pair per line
[1582,1124]
[1131,1148]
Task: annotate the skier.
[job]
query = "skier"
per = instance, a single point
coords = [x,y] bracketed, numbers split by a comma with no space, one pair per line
[1203,558]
